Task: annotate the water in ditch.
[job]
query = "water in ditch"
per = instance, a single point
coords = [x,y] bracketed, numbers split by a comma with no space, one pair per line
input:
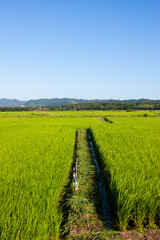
[105,206]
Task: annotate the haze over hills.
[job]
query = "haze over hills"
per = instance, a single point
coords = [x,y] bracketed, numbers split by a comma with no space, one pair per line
[4,102]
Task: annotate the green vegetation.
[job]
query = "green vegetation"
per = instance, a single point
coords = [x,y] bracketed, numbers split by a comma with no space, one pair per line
[66,104]
[36,156]
[84,204]
[114,105]
[35,161]
[129,151]
[79,114]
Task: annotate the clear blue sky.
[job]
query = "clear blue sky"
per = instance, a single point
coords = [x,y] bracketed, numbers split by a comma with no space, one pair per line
[80,49]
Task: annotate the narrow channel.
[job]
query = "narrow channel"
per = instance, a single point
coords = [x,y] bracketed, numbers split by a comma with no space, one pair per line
[105,206]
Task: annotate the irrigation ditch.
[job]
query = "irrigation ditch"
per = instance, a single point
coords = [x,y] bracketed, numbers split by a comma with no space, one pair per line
[105,204]
[86,206]
[107,120]
[104,120]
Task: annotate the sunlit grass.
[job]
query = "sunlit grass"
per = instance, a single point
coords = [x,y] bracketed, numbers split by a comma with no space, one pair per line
[34,163]
[78,114]
[35,157]
[130,150]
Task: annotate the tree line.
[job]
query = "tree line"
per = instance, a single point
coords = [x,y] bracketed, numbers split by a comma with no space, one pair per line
[150,105]
[113,106]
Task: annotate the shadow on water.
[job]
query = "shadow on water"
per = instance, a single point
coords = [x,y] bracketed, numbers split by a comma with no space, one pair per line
[105,205]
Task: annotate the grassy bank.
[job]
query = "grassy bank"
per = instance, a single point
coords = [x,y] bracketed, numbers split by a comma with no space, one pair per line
[84,215]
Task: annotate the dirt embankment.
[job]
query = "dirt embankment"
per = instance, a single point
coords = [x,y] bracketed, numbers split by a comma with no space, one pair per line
[145,235]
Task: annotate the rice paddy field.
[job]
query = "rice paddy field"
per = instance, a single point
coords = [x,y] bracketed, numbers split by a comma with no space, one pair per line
[130,153]
[80,114]
[36,154]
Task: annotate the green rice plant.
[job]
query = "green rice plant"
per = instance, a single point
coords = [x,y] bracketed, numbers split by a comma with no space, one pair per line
[129,150]
[77,114]
[36,153]
[35,160]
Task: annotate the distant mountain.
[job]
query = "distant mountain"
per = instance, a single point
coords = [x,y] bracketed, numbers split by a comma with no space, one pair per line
[4,102]
[61,101]
[53,102]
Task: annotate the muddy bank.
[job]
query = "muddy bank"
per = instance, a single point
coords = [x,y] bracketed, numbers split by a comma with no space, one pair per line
[144,235]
